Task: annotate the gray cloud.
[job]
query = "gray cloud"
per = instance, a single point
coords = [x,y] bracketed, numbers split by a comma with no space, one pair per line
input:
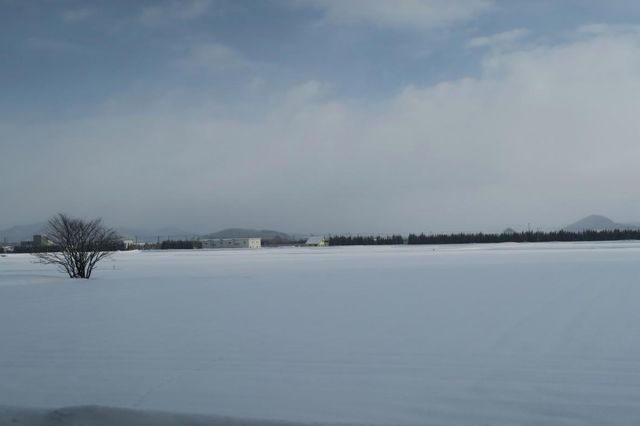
[545,134]
[503,39]
[77,15]
[50,45]
[214,57]
[405,15]
[163,12]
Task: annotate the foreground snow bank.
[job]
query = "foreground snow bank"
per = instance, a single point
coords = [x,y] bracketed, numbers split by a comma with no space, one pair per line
[498,334]
[104,416]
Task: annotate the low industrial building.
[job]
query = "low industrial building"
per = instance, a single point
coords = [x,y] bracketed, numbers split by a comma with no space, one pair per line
[232,243]
[37,241]
[316,242]
[128,244]
[41,241]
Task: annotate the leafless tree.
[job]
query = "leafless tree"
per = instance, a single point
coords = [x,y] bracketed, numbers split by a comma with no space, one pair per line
[80,244]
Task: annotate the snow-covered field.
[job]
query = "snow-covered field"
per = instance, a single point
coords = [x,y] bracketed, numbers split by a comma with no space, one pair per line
[531,334]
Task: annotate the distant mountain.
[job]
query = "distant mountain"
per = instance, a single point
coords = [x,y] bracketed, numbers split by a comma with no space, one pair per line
[22,232]
[247,233]
[598,223]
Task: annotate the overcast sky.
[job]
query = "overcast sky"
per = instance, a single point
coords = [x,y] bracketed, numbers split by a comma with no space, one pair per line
[320,115]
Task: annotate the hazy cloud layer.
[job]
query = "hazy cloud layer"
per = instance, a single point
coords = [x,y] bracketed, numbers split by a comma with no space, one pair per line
[503,39]
[213,57]
[173,10]
[404,15]
[77,15]
[541,132]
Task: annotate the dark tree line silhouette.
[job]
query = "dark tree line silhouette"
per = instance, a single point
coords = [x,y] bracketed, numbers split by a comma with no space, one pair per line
[180,244]
[105,246]
[526,237]
[484,238]
[358,240]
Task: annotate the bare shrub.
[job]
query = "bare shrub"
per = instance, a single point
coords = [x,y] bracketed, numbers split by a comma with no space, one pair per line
[80,244]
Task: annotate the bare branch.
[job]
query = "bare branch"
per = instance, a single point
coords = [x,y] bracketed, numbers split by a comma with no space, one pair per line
[82,244]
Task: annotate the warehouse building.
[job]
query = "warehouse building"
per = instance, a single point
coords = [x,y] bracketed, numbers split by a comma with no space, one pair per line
[232,243]
[316,242]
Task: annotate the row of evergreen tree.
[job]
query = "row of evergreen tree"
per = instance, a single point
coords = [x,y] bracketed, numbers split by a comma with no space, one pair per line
[38,249]
[524,237]
[341,240]
[180,244]
[107,246]
[482,238]
[364,240]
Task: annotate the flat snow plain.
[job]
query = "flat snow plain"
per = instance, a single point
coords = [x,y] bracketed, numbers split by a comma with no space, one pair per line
[508,334]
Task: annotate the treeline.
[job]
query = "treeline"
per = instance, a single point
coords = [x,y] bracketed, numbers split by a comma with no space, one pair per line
[341,240]
[180,244]
[107,246]
[42,249]
[280,242]
[482,238]
[526,237]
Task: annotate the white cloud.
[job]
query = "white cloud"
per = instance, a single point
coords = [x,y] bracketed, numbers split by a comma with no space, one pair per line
[606,29]
[500,40]
[545,135]
[402,14]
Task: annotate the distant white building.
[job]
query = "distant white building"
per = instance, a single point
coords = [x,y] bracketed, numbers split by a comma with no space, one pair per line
[316,242]
[232,243]
[128,244]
